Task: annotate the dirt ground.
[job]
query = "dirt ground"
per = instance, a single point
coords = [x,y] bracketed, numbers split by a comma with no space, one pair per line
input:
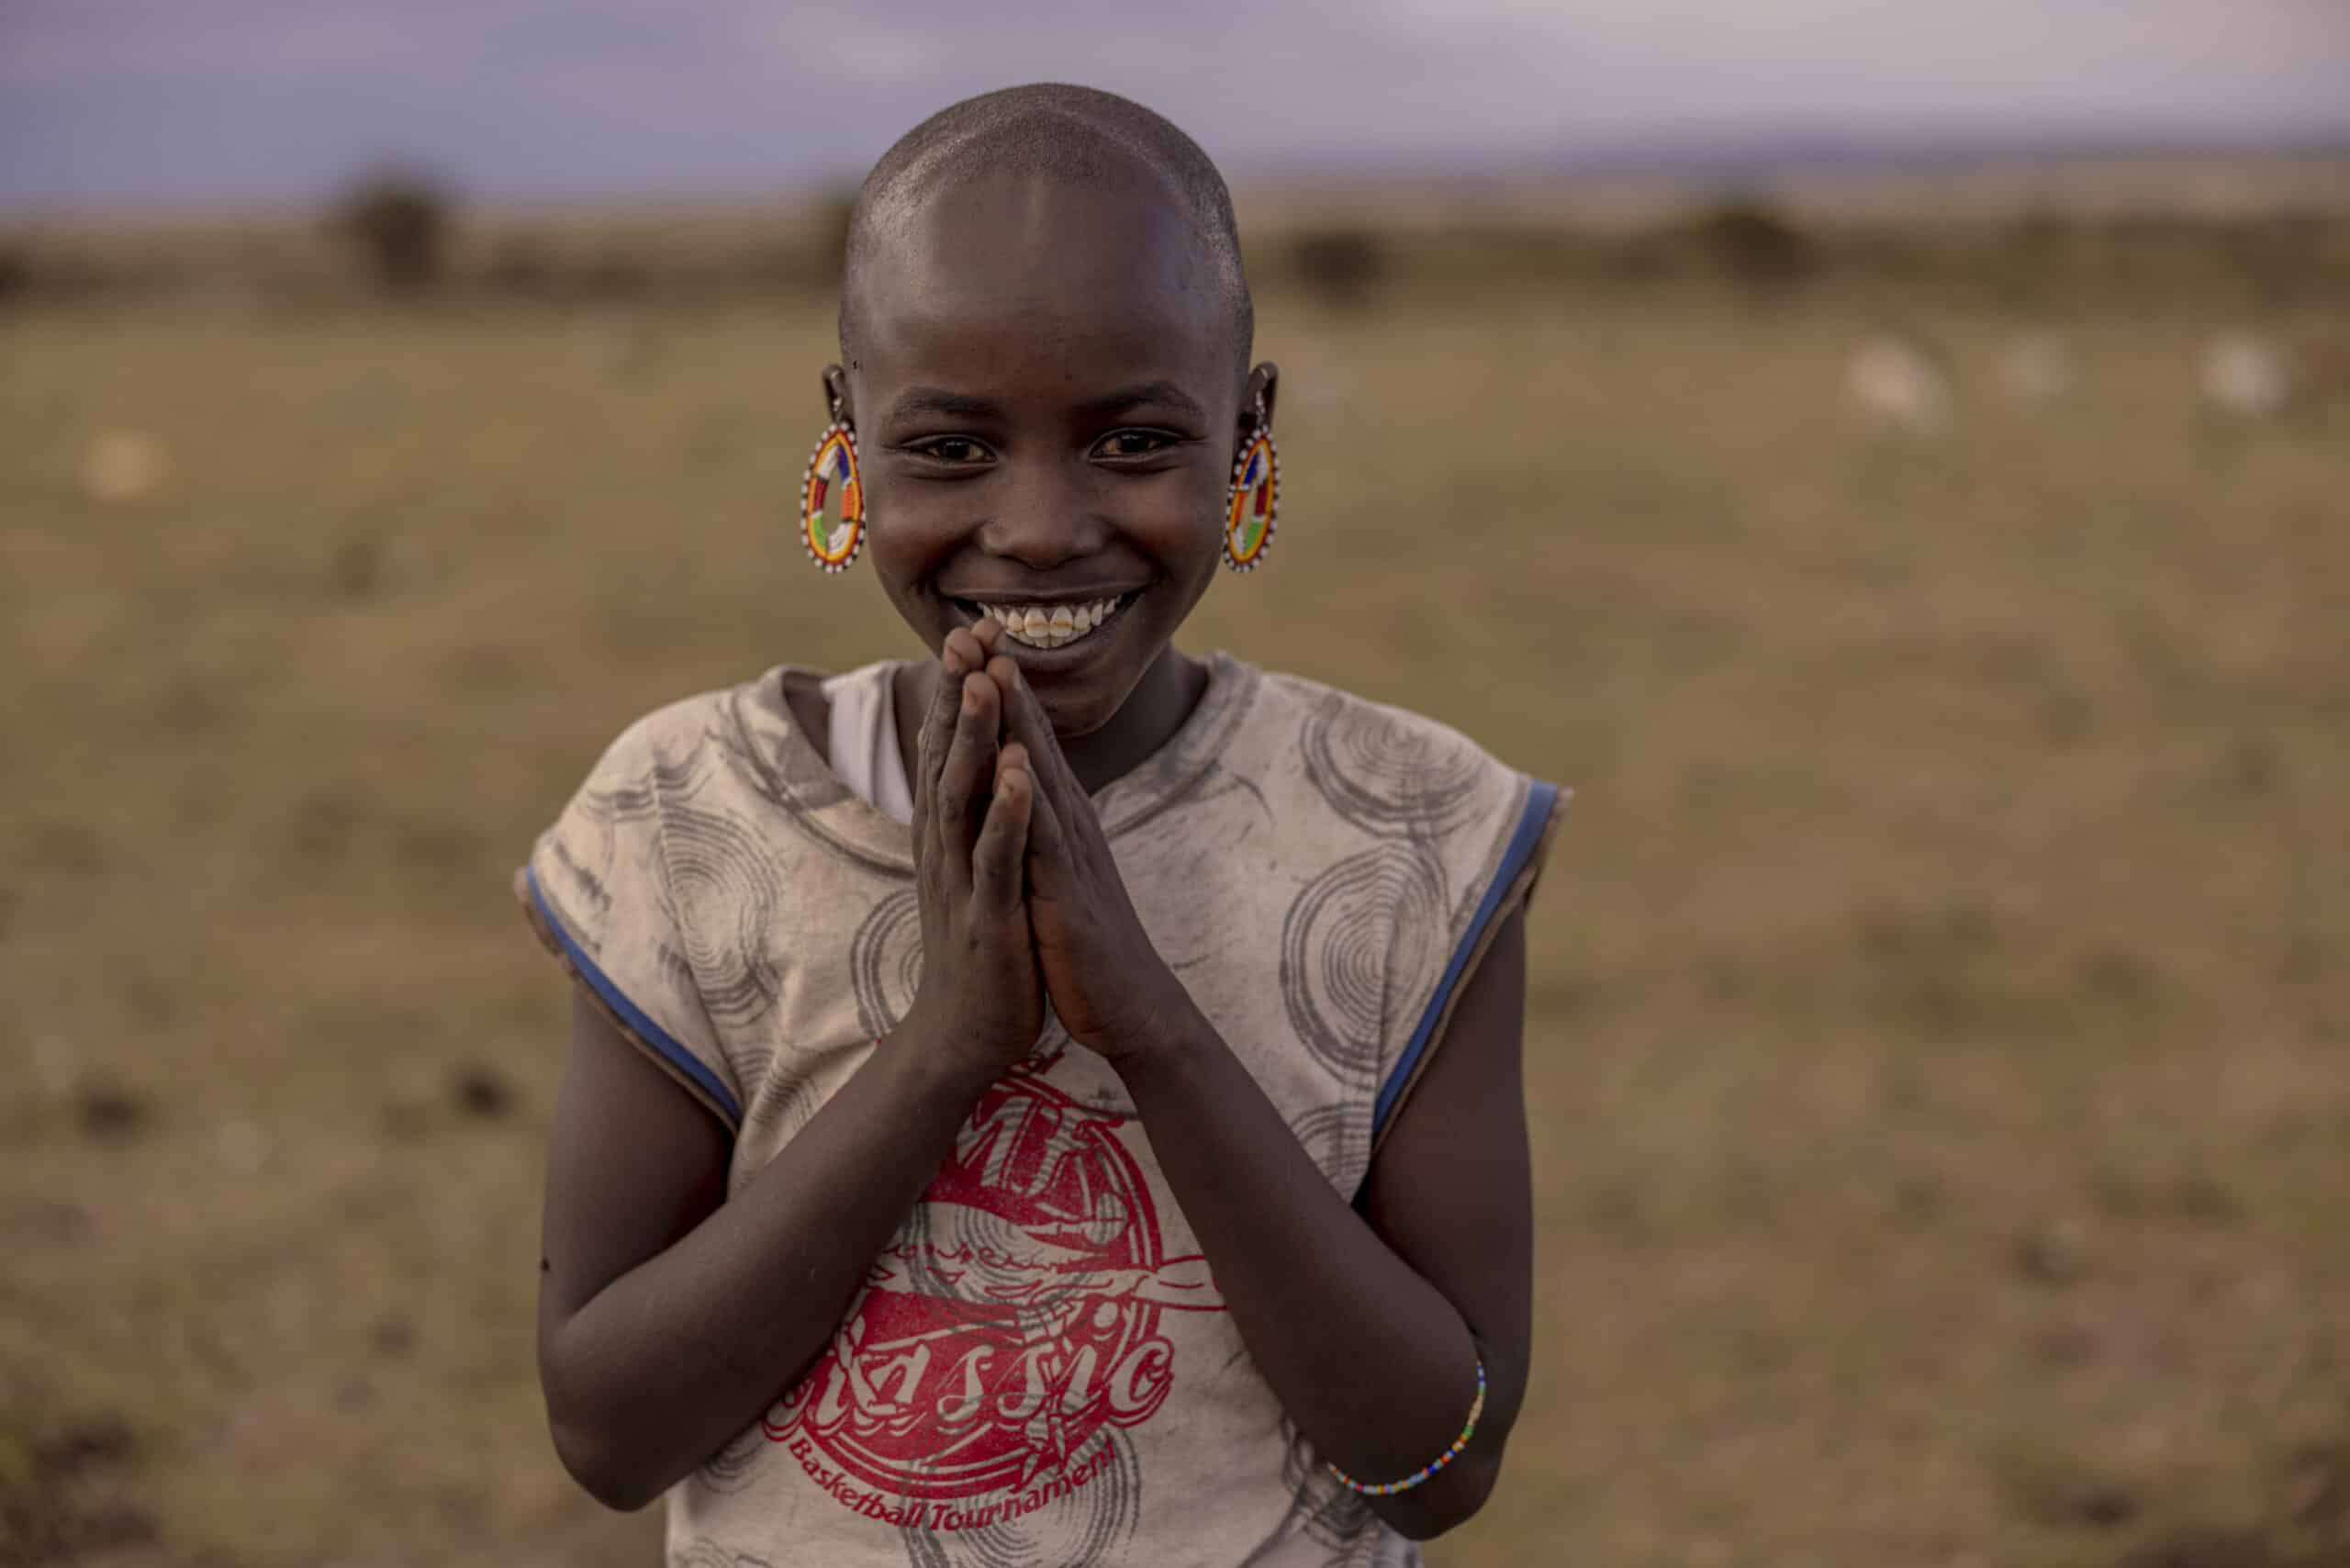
[1940,1029]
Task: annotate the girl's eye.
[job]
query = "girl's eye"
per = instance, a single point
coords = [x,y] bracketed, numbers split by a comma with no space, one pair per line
[954,450]
[1133,444]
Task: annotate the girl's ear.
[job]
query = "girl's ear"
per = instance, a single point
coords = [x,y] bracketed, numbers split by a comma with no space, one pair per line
[1264,385]
[836,394]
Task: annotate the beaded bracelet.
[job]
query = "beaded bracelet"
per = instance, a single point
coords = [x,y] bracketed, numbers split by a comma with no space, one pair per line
[1388,1489]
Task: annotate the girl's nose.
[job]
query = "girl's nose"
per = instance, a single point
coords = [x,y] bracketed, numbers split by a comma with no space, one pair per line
[1045,518]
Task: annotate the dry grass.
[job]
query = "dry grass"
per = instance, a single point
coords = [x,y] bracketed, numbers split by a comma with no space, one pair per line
[1941,992]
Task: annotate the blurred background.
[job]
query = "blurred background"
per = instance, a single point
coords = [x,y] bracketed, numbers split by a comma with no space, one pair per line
[1893,461]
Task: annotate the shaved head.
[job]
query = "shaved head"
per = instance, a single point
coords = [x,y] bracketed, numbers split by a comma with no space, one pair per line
[1064,135]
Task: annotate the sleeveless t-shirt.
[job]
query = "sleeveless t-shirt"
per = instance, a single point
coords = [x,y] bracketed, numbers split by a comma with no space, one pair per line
[1039,1368]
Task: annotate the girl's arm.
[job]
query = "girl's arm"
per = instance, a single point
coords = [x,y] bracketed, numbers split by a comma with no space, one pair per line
[1370,1326]
[670,1315]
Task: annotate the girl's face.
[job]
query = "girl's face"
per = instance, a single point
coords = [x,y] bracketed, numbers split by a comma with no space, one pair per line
[1047,409]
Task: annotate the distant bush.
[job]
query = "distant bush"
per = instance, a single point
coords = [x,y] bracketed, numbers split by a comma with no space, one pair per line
[807,253]
[1754,244]
[2039,236]
[1340,265]
[520,267]
[2024,261]
[2282,256]
[399,223]
[1502,252]
[617,274]
[1636,260]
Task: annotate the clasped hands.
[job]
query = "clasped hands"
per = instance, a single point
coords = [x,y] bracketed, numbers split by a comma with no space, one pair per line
[1021,899]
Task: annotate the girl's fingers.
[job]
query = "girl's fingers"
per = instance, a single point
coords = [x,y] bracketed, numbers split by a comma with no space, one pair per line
[968,763]
[1047,840]
[956,659]
[937,725]
[1064,811]
[937,728]
[999,861]
[1024,717]
[962,651]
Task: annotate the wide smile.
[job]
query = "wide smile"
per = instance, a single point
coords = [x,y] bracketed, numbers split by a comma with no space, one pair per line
[1047,628]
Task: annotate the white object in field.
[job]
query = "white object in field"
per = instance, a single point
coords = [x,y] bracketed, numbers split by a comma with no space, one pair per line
[1897,383]
[2246,375]
[243,1147]
[618,344]
[121,466]
[2037,368]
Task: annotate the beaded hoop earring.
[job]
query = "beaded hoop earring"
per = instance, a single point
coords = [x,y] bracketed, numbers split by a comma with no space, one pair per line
[832,537]
[1255,500]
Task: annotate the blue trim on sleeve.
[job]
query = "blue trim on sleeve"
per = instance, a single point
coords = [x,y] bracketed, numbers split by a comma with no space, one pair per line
[653,1034]
[1540,798]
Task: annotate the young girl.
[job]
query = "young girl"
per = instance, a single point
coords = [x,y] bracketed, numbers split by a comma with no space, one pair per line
[1055,1101]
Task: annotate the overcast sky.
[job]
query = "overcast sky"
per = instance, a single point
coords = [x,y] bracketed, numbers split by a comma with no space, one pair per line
[103,102]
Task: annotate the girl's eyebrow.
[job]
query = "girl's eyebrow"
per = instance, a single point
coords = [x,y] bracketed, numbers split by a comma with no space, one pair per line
[917,400]
[938,400]
[1164,393]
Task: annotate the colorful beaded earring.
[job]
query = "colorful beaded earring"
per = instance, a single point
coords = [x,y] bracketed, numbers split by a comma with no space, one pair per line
[1255,500]
[833,535]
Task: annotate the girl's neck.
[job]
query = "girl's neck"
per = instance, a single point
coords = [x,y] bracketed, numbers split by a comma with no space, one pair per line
[1148,719]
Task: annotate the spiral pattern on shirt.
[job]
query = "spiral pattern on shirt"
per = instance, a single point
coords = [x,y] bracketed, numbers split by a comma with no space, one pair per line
[1358,934]
[710,1554]
[1338,1137]
[1388,777]
[1083,1528]
[885,962]
[734,1466]
[721,871]
[1328,1512]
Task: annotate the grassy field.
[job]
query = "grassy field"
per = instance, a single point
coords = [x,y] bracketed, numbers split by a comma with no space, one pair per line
[1940,1036]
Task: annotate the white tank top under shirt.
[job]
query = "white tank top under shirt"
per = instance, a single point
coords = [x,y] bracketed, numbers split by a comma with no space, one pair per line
[863,735]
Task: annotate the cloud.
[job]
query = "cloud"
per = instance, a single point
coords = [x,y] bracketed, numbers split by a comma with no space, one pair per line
[103,99]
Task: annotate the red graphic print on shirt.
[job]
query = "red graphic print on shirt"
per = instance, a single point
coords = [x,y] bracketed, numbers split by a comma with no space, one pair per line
[1012,1317]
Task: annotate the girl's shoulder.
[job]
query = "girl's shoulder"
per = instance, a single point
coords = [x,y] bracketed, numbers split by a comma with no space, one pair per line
[758,744]
[1319,702]
[752,715]
[1396,836]
[681,837]
[1385,768]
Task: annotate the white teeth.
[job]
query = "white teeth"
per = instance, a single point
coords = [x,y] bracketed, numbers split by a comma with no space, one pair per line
[1042,626]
